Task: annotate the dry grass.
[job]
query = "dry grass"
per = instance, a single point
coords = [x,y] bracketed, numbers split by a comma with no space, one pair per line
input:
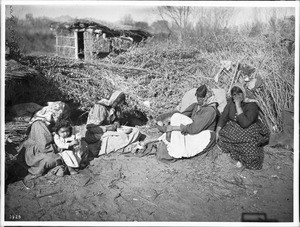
[162,72]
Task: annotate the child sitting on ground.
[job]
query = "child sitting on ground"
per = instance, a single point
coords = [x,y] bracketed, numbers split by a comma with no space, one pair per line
[67,145]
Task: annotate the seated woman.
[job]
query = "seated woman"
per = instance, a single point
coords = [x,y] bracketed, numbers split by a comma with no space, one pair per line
[39,148]
[104,133]
[192,131]
[240,132]
[106,112]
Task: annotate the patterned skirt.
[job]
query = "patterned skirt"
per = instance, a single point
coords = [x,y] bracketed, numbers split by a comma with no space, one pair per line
[245,144]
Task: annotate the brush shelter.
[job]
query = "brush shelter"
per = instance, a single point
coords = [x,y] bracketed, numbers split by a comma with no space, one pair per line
[89,40]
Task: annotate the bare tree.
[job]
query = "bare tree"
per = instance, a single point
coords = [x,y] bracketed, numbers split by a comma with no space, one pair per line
[213,18]
[160,26]
[180,16]
[127,20]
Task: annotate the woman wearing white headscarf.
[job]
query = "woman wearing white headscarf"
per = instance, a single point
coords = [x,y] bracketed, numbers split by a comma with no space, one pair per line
[40,150]
[104,133]
[240,132]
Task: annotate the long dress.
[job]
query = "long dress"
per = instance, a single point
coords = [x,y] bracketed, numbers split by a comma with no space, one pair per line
[98,115]
[244,135]
[105,112]
[198,130]
[39,148]
[185,145]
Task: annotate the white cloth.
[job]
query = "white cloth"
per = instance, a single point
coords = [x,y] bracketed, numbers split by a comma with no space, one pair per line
[185,145]
[63,143]
[72,158]
[115,140]
[53,111]
[187,99]
[218,95]
[111,100]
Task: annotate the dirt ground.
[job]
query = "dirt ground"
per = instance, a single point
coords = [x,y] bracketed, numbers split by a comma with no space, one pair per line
[115,187]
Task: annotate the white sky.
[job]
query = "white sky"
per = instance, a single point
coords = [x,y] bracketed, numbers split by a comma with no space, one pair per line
[107,13]
[145,11]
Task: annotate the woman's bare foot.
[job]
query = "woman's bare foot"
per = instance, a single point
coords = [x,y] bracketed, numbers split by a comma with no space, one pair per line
[239,164]
[72,171]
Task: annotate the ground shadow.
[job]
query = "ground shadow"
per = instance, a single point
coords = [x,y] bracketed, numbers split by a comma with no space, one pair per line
[15,170]
[134,118]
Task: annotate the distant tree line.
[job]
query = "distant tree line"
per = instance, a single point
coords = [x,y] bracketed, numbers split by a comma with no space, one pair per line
[184,25]
[33,35]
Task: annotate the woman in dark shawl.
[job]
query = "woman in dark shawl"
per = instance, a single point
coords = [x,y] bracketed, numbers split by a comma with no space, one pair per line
[240,132]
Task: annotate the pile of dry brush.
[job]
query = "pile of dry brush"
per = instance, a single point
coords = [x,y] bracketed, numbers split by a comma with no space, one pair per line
[161,73]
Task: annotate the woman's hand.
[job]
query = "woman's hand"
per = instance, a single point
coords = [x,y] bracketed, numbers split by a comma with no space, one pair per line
[78,136]
[217,136]
[111,112]
[74,143]
[169,128]
[237,100]
[112,127]
[111,115]
[117,124]
[159,123]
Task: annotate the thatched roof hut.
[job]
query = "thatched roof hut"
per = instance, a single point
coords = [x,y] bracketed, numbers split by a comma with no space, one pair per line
[85,40]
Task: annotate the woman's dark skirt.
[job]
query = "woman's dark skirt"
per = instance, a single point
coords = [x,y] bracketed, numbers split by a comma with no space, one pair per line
[245,144]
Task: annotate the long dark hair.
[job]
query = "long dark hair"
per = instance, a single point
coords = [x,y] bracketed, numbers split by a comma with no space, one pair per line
[62,124]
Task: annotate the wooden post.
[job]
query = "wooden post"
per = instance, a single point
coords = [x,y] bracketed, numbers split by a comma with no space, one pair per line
[76,44]
[56,44]
[236,72]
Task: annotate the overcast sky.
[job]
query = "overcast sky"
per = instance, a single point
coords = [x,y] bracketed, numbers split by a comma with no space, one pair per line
[110,13]
[140,11]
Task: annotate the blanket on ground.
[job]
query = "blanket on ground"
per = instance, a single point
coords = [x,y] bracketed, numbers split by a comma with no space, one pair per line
[115,140]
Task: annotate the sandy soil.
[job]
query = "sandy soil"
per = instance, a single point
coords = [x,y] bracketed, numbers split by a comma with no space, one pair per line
[115,187]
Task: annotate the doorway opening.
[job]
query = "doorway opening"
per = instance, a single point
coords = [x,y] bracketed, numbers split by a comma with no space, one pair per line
[80,45]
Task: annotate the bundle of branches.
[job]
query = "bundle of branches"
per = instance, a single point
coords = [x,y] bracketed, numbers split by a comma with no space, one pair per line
[165,74]
[274,69]
[160,74]
[277,90]
[67,80]
[83,83]
[171,70]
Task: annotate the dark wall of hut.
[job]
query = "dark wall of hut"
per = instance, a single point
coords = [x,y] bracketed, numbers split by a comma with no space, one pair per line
[119,45]
[94,45]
